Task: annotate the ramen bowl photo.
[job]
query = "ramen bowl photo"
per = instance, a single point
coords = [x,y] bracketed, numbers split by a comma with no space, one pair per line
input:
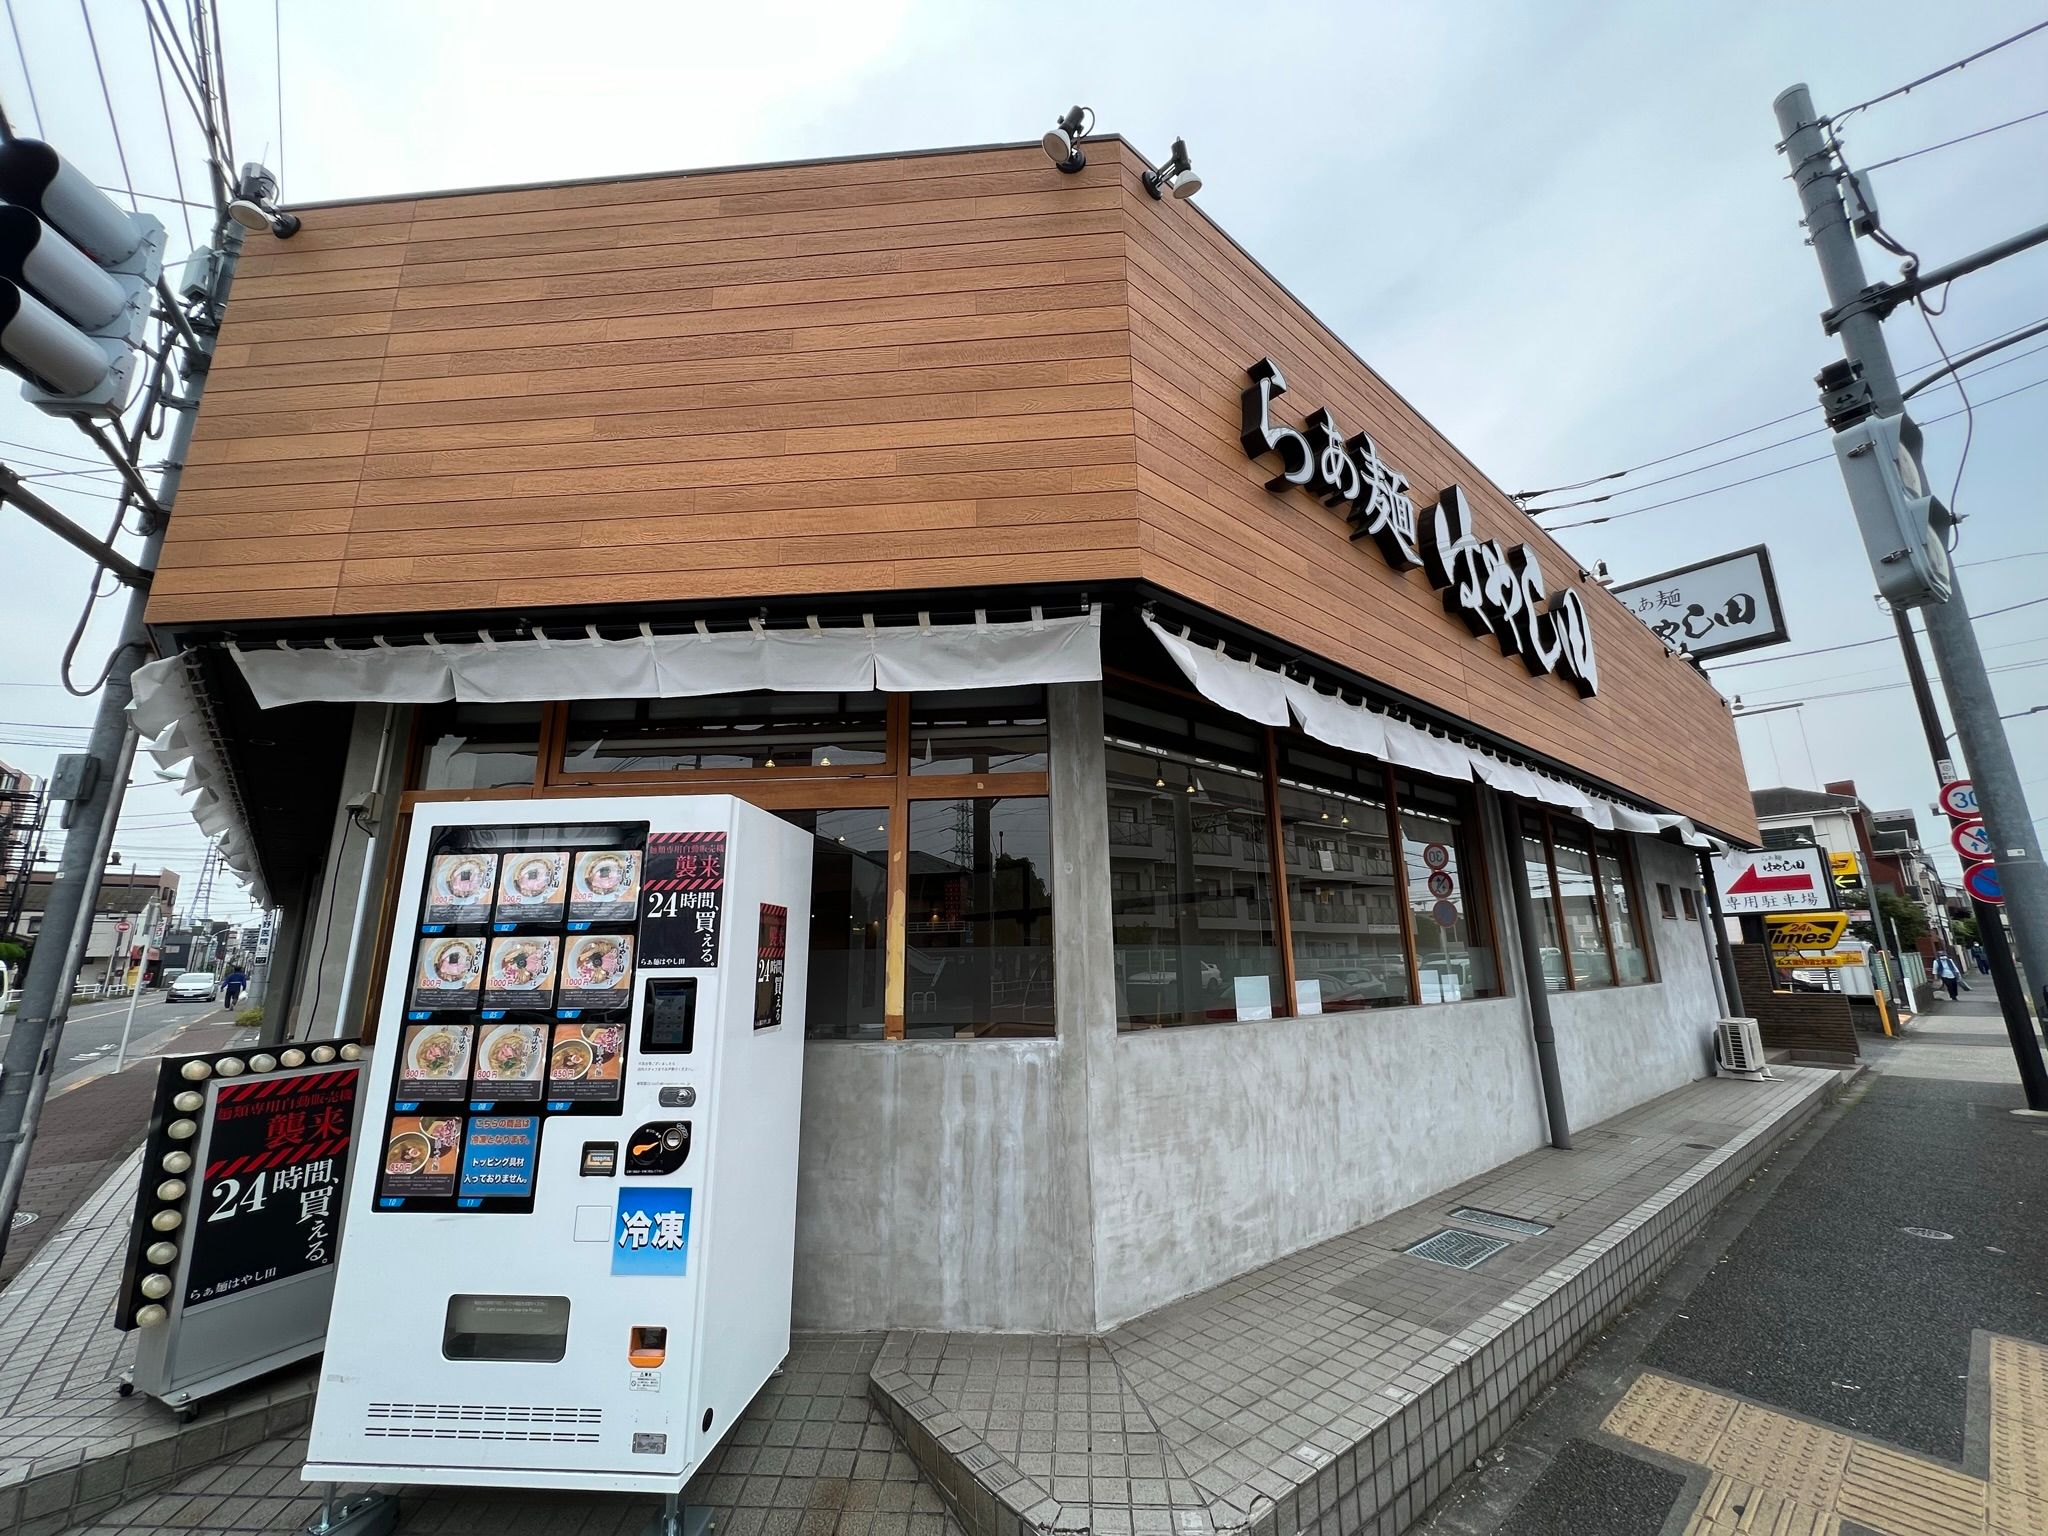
[433,1053]
[532,877]
[570,1059]
[451,962]
[409,1152]
[520,965]
[509,1052]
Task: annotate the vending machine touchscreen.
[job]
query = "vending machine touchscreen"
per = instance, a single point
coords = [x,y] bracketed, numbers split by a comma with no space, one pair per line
[570,1241]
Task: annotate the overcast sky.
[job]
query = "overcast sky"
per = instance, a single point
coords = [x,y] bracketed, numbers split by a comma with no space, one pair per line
[1561,230]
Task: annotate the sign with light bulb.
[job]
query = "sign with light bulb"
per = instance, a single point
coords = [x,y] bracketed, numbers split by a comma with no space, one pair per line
[237,1221]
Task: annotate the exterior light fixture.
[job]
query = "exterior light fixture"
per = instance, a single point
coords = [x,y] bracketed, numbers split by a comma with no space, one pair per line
[255,204]
[1176,176]
[1063,144]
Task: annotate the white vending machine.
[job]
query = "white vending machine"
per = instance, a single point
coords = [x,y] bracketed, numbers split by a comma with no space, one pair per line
[571,1232]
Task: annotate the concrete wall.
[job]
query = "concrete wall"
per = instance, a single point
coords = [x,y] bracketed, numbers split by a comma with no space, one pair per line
[322,943]
[1621,1045]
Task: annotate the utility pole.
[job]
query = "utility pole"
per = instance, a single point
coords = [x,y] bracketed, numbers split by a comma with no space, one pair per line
[1858,319]
[45,1000]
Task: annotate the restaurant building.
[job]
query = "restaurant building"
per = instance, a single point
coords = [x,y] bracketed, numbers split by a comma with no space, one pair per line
[1216,780]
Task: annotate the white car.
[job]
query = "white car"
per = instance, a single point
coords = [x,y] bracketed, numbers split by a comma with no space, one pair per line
[191,987]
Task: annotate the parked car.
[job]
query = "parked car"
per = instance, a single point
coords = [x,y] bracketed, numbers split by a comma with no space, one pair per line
[191,987]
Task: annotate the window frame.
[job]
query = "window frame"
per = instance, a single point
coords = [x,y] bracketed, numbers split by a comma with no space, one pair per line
[889,786]
[1624,853]
[1667,902]
[1472,817]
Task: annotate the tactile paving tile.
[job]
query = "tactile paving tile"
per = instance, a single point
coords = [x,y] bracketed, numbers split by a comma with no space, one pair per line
[1905,1496]
[1784,1454]
[2019,1457]
[2019,1381]
[1733,1508]
[2015,1514]
[1671,1417]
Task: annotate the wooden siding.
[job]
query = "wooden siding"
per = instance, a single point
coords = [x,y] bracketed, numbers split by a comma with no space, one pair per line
[881,375]
[890,375]
[1201,312]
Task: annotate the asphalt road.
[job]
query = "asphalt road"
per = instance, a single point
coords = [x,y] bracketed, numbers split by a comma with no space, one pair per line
[1842,1286]
[93,1033]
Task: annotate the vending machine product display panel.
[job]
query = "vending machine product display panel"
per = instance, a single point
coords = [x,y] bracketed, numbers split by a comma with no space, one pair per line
[571,1238]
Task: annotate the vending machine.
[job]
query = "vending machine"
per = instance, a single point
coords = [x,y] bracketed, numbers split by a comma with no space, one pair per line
[571,1231]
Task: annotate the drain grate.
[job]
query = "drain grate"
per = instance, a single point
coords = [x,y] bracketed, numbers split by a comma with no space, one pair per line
[1460,1250]
[1496,1219]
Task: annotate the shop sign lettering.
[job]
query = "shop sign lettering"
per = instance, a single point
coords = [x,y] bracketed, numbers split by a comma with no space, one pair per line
[1494,591]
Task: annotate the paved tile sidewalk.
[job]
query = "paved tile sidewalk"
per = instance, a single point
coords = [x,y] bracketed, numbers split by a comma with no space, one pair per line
[1329,1387]
[811,1457]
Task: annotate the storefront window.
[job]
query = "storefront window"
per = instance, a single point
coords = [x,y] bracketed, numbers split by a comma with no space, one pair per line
[978,937]
[1542,899]
[727,733]
[1192,900]
[986,730]
[1631,956]
[1453,943]
[1585,933]
[1603,943]
[849,922]
[1343,897]
[479,746]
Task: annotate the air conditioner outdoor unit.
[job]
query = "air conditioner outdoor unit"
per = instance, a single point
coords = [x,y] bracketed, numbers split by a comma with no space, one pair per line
[1739,1049]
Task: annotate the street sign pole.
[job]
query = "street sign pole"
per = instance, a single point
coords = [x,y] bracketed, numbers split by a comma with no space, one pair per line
[1816,174]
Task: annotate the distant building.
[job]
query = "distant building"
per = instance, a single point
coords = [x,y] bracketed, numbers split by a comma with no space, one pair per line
[21,826]
[1884,845]
[123,897]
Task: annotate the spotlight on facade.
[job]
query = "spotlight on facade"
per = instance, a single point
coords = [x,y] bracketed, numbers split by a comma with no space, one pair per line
[255,204]
[1176,176]
[1063,144]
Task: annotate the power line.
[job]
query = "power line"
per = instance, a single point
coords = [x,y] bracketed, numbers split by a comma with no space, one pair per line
[1962,138]
[1783,469]
[1888,668]
[1850,645]
[107,96]
[28,79]
[163,97]
[1845,693]
[1775,421]
[1912,85]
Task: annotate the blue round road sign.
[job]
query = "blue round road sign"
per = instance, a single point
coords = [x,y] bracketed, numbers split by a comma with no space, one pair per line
[1981,881]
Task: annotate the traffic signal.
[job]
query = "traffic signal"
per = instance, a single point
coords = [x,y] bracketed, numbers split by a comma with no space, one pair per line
[78,276]
[1905,528]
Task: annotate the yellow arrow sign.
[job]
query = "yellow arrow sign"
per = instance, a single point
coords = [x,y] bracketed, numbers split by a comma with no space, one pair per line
[1843,864]
[1806,930]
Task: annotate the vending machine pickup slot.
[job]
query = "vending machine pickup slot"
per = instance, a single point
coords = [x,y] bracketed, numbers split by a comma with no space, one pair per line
[668,1024]
[506,1328]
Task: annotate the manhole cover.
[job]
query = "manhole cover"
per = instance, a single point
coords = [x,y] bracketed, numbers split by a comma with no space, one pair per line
[1930,1234]
[1460,1250]
[21,1219]
[1514,1224]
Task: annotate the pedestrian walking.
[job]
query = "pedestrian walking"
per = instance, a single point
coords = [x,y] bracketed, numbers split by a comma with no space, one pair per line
[1981,960]
[238,980]
[1948,973]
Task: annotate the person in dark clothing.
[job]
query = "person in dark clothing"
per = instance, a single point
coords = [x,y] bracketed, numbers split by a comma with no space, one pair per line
[1981,960]
[237,982]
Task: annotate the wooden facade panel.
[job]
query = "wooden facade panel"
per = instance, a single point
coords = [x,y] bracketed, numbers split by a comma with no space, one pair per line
[942,371]
[1201,312]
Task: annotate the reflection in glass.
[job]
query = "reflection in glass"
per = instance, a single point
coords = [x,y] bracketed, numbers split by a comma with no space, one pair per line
[978,730]
[1631,959]
[849,922]
[1543,899]
[978,930]
[1453,947]
[731,732]
[1191,899]
[1343,902]
[1591,966]
[479,746]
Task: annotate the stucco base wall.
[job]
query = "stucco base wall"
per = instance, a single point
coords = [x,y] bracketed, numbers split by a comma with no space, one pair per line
[1622,1045]
[1239,1143]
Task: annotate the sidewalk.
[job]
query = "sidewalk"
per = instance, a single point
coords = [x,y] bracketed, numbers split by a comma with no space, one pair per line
[1337,1390]
[87,1128]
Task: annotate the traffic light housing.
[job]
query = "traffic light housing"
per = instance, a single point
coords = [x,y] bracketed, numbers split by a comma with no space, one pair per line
[1904,527]
[78,278]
